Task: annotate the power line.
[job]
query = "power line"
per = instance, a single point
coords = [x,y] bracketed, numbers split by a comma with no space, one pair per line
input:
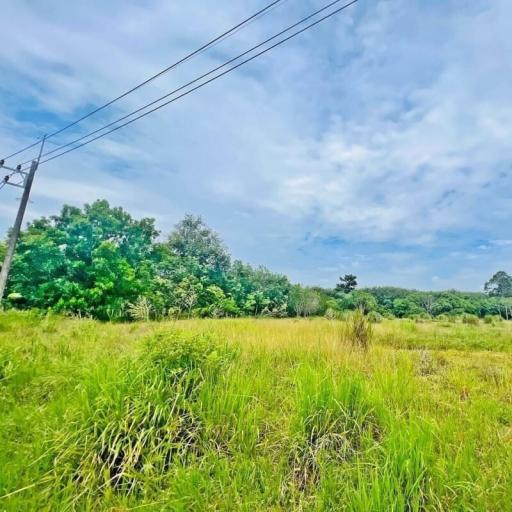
[195,53]
[303,20]
[343,7]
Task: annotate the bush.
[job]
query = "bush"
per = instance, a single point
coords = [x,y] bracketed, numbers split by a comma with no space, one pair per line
[374,317]
[492,319]
[470,319]
[335,419]
[421,317]
[140,310]
[358,330]
[136,420]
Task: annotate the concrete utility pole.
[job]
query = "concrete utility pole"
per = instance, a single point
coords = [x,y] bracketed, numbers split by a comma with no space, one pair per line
[26,185]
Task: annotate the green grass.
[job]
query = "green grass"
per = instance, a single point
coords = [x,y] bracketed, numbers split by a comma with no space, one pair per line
[254,414]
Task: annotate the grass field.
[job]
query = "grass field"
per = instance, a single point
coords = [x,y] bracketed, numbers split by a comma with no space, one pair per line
[254,414]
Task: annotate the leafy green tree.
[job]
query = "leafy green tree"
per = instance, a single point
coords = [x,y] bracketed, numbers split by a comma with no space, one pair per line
[257,290]
[405,307]
[92,261]
[500,285]
[364,301]
[187,293]
[347,283]
[304,301]
[441,306]
[193,240]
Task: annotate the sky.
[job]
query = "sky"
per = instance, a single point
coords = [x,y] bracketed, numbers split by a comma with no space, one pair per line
[378,143]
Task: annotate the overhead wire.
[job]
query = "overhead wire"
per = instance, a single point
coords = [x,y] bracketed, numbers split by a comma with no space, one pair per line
[186,93]
[195,53]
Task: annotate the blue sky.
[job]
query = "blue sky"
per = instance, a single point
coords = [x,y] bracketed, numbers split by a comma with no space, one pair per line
[377,143]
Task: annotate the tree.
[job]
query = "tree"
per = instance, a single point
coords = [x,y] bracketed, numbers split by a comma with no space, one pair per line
[347,283]
[193,239]
[92,261]
[364,301]
[186,294]
[405,307]
[500,285]
[304,301]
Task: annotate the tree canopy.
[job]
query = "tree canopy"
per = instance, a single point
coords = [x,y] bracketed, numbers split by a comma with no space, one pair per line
[500,285]
[99,261]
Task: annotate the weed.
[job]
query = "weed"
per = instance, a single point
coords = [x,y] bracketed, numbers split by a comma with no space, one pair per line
[426,363]
[470,319]
[358,330]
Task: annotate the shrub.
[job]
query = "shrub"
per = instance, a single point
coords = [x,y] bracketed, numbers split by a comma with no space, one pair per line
[330,314]
[426,363]
[141,310]
[374,317]
[136,420]
[358,330]
[470,319]
[492,319]
[335,420]
[420,317]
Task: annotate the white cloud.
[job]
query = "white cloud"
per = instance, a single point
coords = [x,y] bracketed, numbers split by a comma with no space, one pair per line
[388,126]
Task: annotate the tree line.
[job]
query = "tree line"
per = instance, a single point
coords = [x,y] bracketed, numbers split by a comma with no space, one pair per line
[99,261]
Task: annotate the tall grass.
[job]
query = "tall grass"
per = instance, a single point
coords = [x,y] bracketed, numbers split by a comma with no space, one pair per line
[253,415]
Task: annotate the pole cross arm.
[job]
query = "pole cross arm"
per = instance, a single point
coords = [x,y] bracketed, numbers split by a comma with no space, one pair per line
[17,185]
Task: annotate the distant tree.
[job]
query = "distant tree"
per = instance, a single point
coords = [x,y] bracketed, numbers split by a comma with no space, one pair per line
[500,285]
[364,301]
[186,293]
[304,301]
[347,283]
[193,239]
[405,307]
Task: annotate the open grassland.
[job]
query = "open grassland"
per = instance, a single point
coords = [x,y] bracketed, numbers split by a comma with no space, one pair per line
[253,415]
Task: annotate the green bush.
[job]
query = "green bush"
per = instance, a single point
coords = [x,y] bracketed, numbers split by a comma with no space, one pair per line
[421,317]
[358,330]
[374,317]
[470,319]
[136,421]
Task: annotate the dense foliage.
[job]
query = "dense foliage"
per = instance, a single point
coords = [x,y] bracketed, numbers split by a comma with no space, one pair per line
[98,261]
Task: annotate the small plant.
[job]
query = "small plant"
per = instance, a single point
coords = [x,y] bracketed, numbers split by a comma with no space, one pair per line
[138,419]
[421,318]
[470,319]
[492,319]
[426,363]
[494,374]
[374,317]
[358,330]
[335,420]
[330,314]
[141,310]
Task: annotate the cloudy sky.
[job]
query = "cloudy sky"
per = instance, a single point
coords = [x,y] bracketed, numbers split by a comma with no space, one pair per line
[378,143]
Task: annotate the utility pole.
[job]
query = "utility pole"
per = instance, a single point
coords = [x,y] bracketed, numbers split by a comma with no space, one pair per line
[26,185]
